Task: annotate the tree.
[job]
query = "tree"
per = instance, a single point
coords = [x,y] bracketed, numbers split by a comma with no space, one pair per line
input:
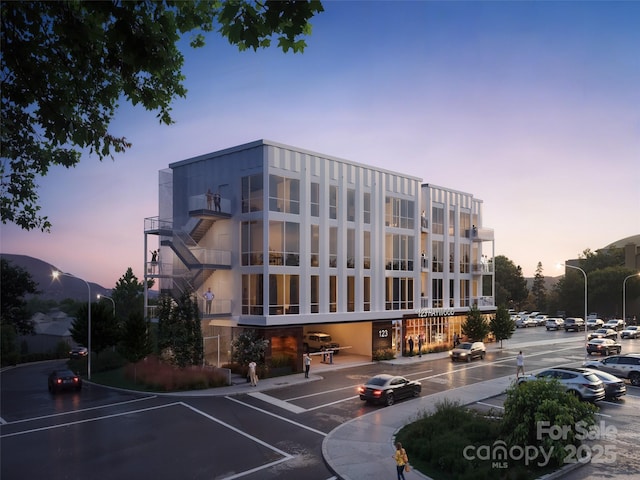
[475,326]
[539,290]
[15,283]
[66,65]
[248,347]
[511,287]
[135,344]
[179,330]
[104,332]
[501,325]
[128,296]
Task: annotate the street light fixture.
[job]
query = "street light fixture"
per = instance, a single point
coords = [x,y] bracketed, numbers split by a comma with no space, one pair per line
[112,301]
[624,298]
[586,336]
[55,275]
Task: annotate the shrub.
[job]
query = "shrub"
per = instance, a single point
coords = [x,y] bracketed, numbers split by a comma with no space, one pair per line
[384,354]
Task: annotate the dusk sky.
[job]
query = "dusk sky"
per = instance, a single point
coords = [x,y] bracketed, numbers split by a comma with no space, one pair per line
[532,107]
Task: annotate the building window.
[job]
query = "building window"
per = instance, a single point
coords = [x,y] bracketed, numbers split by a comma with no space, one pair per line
[351,293]
[366,207]
[333,293]
[452,249]
[315,245]
[366,292]
[452,222]
[366,253]
[284,294]
[284,243]
[252,294]
[351,248]
[437,220]
[284,194]
[465,293]
[251,233]
[465,258]
[333,202]
[399,293]
[399,213]
[333,247]
[315,199]
[399,252]
[315,294]
[351,205]
[436,293]
[465,224]
[438,256]
[252,193]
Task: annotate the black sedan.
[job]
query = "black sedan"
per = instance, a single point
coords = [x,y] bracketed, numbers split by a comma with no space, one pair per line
[64,379]
[603,346]
[603,333]
[386,389]
[614,387]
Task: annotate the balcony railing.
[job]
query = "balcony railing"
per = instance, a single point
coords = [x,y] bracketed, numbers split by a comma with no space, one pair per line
[200,203]
[482,268]
[480,234]
[483,301]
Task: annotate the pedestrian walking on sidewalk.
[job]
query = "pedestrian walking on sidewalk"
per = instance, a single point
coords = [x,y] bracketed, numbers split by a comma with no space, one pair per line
[253,376]
[402,461]
[519,364]
[307,365]
[420,345]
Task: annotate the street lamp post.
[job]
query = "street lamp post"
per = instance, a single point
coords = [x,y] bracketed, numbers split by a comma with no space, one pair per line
[112,301]
[55,275]
[586,336]
[624,298]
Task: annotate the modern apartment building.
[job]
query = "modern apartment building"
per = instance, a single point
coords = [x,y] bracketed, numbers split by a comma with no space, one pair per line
[292,241]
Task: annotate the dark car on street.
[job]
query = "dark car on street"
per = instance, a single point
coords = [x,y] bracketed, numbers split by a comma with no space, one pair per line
[603,346]
[64,379]
[78,352]
[614,387]
[575,324]
[467,351]
[603,333]
[386,389]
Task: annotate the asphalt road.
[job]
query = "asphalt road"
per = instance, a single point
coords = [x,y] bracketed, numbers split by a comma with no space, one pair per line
[101,433]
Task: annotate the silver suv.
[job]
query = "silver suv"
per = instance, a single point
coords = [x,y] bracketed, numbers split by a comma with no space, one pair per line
[577,381]
[622,366]
[319,342]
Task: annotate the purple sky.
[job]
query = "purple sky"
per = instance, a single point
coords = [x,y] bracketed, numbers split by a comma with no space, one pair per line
[532,107]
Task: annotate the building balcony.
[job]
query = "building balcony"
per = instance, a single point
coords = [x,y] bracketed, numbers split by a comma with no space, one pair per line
[485,268]
[483,301]
[201,207]
[158,226]
[480,234]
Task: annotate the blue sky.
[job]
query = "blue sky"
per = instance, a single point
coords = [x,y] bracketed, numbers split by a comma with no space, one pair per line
[533,107]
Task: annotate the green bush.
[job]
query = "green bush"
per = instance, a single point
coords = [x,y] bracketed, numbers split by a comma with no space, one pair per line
[384,354]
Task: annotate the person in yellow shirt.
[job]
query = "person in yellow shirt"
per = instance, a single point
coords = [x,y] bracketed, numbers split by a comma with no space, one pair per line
[401,459]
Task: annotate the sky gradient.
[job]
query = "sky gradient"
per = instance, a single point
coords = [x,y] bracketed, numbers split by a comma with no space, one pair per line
[533,108]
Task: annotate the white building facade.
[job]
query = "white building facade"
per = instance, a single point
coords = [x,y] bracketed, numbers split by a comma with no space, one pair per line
[292,241]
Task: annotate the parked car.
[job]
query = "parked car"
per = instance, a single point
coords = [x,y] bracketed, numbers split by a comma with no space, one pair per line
[64,379]
[468,351]
[387,389]
[541,320]
[632,331]
[525,321]
[554,323]
[594,323]
[603,346]
[78,352]
[623,366]
[319,342]
[574,323]
[603,333]
[614,387]
[580,382]
[615,323]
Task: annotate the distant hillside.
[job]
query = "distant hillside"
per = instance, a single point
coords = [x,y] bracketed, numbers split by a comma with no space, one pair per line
[58,290]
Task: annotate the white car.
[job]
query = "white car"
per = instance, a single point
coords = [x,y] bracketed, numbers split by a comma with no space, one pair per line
[554,323]
[615,324]
[632,331]
[541,320]
[524,322]
[594,323]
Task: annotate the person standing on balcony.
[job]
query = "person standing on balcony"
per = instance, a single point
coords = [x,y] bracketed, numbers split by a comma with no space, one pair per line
[208,296]
[209,200]
[216,200]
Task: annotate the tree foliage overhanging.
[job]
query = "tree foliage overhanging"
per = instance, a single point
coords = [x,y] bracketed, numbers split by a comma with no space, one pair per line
[66,65]
[15,283]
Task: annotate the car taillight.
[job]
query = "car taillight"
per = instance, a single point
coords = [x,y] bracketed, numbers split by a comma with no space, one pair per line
[377,393]
[58,380]
[76,379]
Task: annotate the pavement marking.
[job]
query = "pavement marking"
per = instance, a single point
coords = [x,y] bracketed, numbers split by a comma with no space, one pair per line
[285,455]
[490,405]
[277,402]
[277,416]
[87,420]
[2,421]
[81,410]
